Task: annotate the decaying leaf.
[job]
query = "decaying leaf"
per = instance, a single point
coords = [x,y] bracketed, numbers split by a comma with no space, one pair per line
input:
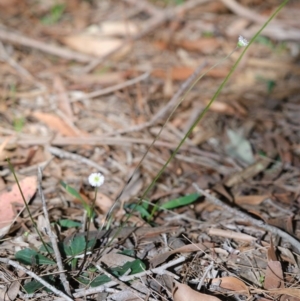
[10,200]
[182,292]
[232,283]
[96,46]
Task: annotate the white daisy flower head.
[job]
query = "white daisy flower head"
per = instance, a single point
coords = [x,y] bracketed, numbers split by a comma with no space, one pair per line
[242,42]
[96,179]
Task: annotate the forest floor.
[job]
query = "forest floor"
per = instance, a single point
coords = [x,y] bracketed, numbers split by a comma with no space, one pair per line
[85,88]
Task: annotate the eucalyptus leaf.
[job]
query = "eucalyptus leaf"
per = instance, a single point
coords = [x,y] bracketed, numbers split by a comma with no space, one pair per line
[182,201]
[28,256]
[67,223]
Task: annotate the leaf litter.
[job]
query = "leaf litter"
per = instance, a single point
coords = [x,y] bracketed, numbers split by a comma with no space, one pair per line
[85,85]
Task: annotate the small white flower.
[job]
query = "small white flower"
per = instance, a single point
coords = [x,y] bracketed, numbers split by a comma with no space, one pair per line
[96,179]
[242,42]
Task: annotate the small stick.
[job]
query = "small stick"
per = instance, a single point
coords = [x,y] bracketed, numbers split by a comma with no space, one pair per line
[65,53]
[200,284]
[67,155]
[235,211]
[123,285]
[112,88]
[36,277]
[52,237]
[7,58]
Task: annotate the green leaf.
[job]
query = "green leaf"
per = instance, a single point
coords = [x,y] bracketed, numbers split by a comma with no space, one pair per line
[67,223]
[72,191]
[49,248]
[55,15]
[139,208]
[182,201]
[28,256]
[100,280]
[135,266]
[77,245]
[34,285]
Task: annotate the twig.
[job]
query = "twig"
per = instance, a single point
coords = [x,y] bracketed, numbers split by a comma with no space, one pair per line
[112,88]
[160,270]
[237,212]
[52,237]
[200,284]
[122,284]
[67,155]
[36,277]
[7,58]
[20,39]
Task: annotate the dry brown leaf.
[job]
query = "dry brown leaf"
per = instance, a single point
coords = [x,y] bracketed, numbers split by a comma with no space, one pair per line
[232,283]
[204,45]
[55,123]
[292,292]
[183,72]
[118,28]
[8,200]
[182,292]
[96,46]
[274,273]
[231,234]
[288,298]
[63,100]
[155,261]
[103,202]
[104,79]
[250,199]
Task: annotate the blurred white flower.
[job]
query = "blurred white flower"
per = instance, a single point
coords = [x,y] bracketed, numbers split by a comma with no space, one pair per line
[96,179]
[242,42]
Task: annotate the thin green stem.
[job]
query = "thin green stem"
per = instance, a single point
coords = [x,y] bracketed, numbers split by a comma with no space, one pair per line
[88,225]
[27,208]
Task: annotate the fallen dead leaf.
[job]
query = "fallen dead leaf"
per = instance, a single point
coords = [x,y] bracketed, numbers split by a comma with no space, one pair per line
[232,283]
[204,45]
[12,198]
[103,202]
[55,123]
[96,46]
[158,259]
[231,234]
[118,28]
[274,273]
[182,292]
[250,199]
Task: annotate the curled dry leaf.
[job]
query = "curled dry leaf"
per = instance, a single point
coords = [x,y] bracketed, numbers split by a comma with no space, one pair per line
[182,292]
[9,200]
